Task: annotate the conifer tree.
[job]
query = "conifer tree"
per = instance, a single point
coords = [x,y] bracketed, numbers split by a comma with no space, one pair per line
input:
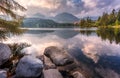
[8,7]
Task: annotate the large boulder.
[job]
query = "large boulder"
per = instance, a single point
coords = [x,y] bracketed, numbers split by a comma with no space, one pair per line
[58,56]
[5,53]
[3,74]
[29,67]
[52,73]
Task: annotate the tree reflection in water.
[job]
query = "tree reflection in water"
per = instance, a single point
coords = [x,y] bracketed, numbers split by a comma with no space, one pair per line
[111,34]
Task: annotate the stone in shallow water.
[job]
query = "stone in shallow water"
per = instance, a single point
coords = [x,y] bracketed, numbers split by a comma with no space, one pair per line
[48,63]
[107,73]
[3,74]
[52,73]
[77,74]
[58,56]
[29,67]
[5,53]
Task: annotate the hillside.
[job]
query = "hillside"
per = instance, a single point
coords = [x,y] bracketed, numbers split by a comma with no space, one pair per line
[37,23]
[65,18]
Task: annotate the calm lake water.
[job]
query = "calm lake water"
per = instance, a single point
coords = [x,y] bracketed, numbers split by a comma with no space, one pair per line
[98,48]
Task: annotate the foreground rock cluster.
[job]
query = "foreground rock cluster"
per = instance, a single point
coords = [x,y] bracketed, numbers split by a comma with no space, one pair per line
[55,63]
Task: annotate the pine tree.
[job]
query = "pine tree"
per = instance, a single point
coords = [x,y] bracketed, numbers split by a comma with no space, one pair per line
[118,18]
[103,21]
[112,17]
[8,8]
[82,22]
[89,22]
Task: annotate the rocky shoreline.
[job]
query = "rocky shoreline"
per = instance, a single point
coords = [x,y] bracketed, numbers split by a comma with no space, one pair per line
[55,62]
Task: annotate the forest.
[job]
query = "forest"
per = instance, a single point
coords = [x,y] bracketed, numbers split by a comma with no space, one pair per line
[107,19]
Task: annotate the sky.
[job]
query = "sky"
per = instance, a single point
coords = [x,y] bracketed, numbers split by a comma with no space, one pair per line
[80,8]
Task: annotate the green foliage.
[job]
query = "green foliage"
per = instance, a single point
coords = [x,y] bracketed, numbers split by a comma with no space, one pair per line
[111,19]
[106,19]
[109,33]
[86,22]
[118,15]
[117,22]
[82,22]
[8,7]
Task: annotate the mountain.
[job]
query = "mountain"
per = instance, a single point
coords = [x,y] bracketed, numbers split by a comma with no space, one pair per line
[65,18]
[38,23]
[38,15]
[61,20]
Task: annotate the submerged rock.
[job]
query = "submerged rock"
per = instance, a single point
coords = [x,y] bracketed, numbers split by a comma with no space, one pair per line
[58,56]
[52,73]
[3,74]
[5,53]
[48,63]
[29,67]
[77,74]
[107,73]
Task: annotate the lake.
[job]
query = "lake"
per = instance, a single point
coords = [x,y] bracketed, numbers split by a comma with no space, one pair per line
[95,49]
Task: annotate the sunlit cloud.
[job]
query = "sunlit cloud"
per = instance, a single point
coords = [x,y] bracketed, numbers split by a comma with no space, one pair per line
[48,4]
[90,3]
[79,8]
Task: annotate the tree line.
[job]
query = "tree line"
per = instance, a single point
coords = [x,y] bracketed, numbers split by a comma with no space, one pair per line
[107,19]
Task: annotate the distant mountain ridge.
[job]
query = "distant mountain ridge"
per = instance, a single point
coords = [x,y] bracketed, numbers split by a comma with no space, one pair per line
[65,18]
[60,18]
[38,23]
[39,20]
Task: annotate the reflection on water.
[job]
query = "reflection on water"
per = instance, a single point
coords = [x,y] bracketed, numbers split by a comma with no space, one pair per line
[97,49]
[112,34]
[87,32]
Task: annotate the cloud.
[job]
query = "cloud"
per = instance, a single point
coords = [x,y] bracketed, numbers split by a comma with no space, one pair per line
[76,7]
[92,46]
[90,3]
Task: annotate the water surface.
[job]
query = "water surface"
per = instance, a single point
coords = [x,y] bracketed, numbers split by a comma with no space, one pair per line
[98,48]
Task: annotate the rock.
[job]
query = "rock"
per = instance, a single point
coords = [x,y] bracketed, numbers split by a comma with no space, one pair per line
[5,53]
[69,67]
[77,74]
[13,76]
[107,73]
[29,67]
[48,63]
[66,74]
[3,74]
[58,56]
[41,57]
[52,73]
